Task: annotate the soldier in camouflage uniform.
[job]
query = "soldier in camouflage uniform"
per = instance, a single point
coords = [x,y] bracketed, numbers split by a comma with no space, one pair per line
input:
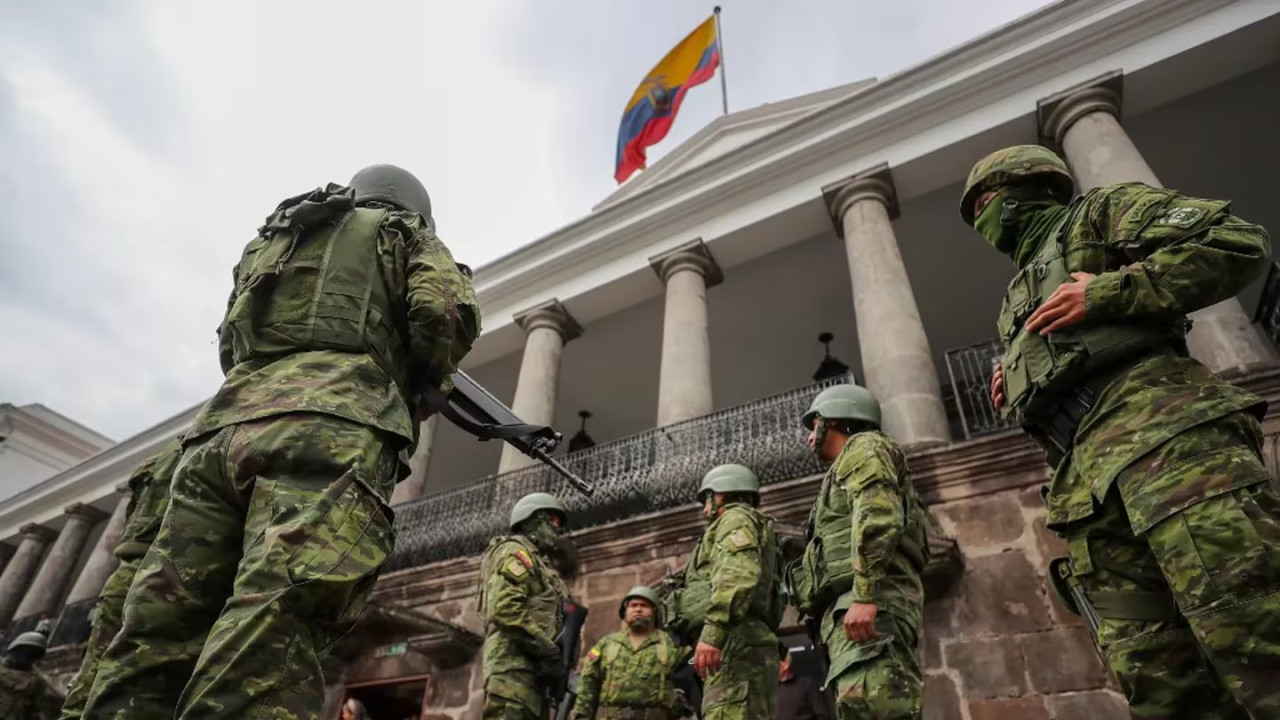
[1159,487]
[347,315]
[521,605]
[24,693]
[867,547]
[149,488]
[731,599]
[627,675]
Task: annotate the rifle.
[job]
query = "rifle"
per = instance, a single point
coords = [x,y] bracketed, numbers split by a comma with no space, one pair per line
[820,653]
[564,692]
[476,411]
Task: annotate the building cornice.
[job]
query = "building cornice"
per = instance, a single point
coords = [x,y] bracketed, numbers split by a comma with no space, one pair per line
[1057,43]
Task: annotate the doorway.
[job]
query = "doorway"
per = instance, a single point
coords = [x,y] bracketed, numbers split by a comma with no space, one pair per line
[399,699]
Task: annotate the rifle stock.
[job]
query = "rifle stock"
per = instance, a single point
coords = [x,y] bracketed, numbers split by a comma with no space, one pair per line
[564,693]
[476,411]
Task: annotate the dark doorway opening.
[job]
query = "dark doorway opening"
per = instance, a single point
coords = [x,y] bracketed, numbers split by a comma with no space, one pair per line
[398,699]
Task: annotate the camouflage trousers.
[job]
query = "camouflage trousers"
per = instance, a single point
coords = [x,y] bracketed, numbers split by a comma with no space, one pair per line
[146,511]
[746,683]
[876,680]
[106,624]
[1212,572]
[520,698]
[274,537]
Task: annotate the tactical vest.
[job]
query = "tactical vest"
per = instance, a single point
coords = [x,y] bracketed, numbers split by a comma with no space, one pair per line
[828,557]
[545,608]
[656,686]
[1039,371]
[768,602]
[314,286]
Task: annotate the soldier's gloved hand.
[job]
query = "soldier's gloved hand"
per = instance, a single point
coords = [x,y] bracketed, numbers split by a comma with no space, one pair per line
[549,669]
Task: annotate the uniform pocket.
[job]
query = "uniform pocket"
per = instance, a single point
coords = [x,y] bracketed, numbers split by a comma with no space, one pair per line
[349,534]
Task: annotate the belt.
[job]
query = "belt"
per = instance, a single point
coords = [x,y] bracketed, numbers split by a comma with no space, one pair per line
[1062,420]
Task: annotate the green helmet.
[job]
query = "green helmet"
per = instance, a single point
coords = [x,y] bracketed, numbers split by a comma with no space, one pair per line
[730,478]
[644,592]
[526,506]
[1011,164]
[394,185]
[843,402]
[29,639]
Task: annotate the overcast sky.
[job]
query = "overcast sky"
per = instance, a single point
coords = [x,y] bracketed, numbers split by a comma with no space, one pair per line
[142,143]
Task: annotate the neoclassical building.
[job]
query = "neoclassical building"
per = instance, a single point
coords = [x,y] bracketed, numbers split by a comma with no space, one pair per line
[677,327]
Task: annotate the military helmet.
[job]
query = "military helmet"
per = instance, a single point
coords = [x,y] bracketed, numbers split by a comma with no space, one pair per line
[29,639]
[1019,162]
[730,478]
[643,592]
[843,402]
[394,185]
[526,506]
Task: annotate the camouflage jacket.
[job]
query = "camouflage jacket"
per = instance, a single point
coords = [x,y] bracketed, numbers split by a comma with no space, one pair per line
[432,309]
[1157,256]
[613,673]
[149,487]
[25,695]
[520,604]
[731,562]
[867,532]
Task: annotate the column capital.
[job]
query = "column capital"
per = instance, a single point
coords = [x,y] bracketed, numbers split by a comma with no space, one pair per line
[550,314]
[1057,113]
[36,531]
[874,184]
[88,512]
[693,255]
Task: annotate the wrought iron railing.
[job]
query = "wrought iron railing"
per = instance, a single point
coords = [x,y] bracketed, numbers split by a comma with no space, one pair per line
[970,369]
[1267,314]
[653,470]
[19,626]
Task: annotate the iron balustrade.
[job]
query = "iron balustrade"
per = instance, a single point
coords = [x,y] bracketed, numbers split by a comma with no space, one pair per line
[971,368]
[74,623]
[654,470]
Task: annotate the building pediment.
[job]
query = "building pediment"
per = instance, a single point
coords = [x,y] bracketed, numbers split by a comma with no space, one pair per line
[730,132]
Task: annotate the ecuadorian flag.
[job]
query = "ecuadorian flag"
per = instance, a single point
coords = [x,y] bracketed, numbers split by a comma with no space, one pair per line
[655,103]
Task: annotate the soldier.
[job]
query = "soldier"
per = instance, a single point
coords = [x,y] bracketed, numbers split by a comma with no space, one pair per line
[149,486]
[867,547]
[521,604]
[627,675]
[347,314]
[731,600]
[1158,486]
[24,693]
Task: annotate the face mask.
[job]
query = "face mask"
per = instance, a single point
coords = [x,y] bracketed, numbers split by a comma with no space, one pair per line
[995,223]
[1018,227]
[545,536]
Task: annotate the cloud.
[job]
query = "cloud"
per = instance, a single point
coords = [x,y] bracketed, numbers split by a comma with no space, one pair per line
[144,142]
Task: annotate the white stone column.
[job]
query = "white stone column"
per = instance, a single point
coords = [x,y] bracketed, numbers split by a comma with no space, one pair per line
[548,328]
[896,358]
[102,560]
[21,568]
[411,487]
[1085,123]
[684,376]
[46,590]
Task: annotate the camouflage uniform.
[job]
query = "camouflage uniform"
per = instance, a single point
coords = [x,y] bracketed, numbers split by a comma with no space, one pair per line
[732,573]
[867,544]
[341,319]
[149,486]
[520,605]
[620,682]
[25,695]
[1159,488]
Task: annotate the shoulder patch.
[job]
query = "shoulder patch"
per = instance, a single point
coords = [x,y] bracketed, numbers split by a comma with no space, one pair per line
[524,558]
[515,569]
[739,538]
[594,654]
[1181,216]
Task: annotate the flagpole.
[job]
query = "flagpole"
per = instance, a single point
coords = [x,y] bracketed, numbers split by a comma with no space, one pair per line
[724,88]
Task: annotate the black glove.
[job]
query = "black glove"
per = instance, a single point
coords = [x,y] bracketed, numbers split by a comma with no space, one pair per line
[549,670]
